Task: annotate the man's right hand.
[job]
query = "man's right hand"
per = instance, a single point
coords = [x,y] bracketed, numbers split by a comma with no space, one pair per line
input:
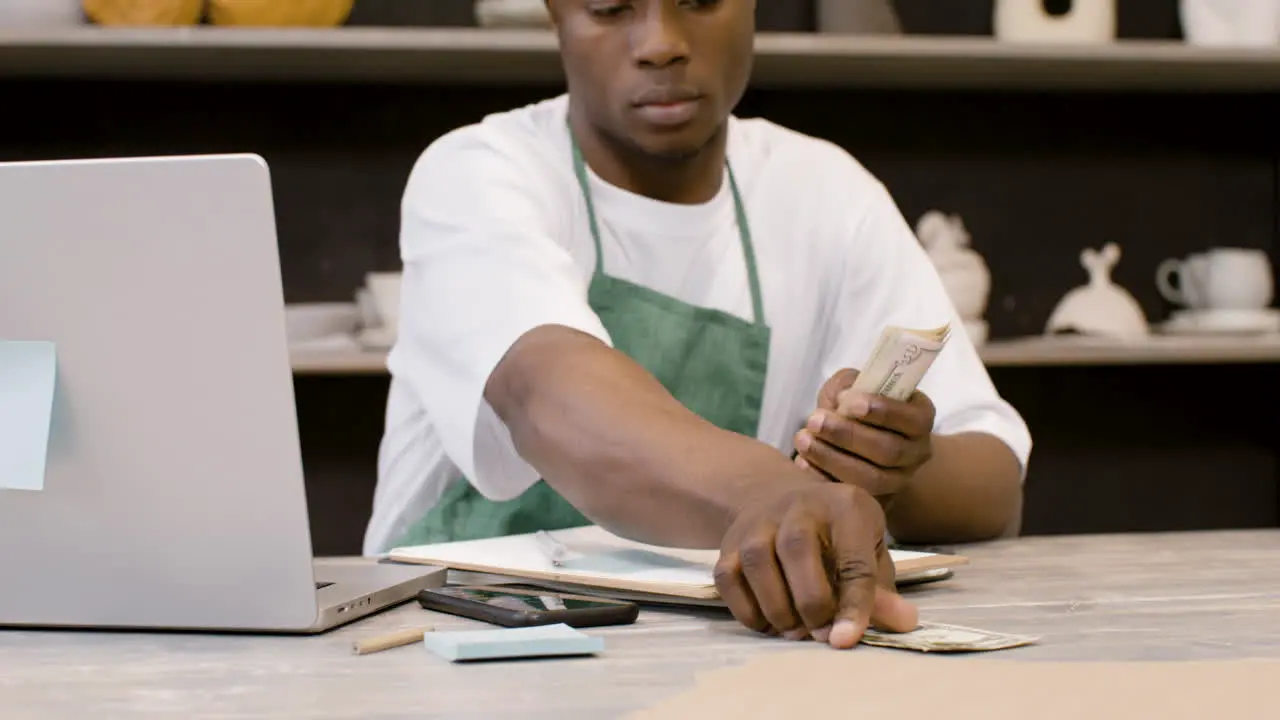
[809,560]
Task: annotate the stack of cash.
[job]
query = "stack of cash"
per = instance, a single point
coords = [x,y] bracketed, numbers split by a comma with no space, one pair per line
[898,364]
[936,637]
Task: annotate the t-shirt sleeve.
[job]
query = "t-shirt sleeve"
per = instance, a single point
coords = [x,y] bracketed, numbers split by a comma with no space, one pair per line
[483,265]
[888,279]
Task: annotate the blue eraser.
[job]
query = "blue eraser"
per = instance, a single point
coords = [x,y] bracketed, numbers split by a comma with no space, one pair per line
[537,641]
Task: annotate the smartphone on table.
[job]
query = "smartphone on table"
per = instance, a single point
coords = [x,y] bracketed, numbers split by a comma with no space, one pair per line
[519,607]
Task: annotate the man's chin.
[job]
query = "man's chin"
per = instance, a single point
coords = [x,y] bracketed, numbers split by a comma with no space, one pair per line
[674,155]
[672,147]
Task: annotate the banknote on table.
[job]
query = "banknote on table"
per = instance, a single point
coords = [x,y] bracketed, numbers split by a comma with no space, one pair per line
[898,363]
[937,637]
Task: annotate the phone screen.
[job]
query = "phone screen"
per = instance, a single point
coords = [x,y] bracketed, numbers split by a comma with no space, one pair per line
[524,601]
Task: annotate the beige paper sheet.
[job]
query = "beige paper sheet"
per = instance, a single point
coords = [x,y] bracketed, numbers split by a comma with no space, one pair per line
[874,683]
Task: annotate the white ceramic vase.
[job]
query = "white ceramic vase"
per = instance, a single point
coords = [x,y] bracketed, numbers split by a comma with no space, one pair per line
[858,17]
[1087,21]
[963,271]
[1101,308]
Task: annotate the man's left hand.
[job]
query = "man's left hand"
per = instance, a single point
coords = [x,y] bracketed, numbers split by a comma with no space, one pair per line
[878,443]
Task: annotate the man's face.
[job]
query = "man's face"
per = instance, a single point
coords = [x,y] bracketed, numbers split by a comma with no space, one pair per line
[660,75]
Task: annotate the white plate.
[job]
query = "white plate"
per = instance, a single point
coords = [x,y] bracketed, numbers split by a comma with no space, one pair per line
[1223,322]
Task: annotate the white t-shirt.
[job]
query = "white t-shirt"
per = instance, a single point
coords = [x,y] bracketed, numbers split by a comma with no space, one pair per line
[495,242]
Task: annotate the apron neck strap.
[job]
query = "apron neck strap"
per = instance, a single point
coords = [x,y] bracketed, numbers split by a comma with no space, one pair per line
[739,211]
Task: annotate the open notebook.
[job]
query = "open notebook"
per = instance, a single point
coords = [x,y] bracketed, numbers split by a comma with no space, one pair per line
[599,560]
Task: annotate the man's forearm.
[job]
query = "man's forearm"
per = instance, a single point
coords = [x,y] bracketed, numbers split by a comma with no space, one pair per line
[607,436]
[969,490]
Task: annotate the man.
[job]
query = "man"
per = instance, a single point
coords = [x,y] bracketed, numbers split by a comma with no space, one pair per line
[619,307]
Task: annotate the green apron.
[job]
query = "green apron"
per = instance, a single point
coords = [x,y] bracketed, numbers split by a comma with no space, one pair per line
[712,362]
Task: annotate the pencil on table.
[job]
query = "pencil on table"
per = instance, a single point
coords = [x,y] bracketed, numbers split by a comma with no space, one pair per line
[390,640]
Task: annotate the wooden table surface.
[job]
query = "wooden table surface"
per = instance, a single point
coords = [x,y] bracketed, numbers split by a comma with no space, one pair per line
[1161,596]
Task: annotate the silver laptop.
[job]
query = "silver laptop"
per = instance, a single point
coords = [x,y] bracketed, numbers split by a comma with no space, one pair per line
[173,495]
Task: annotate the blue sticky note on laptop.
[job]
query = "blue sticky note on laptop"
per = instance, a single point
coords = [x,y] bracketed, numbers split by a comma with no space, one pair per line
[28,372]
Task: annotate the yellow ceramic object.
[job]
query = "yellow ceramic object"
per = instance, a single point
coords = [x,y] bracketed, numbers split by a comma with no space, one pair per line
[280,13]
[143,12]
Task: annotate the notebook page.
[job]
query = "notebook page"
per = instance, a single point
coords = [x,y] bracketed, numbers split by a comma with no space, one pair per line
[594,554]
[597,557]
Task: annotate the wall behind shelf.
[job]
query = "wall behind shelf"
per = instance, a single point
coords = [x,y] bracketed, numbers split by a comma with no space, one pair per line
[1148,448]
[1145,19]
[1036,177]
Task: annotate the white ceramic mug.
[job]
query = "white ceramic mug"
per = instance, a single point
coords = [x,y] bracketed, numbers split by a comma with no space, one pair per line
[1230,23]
[1186,291]
[1237,279]
[1220,279]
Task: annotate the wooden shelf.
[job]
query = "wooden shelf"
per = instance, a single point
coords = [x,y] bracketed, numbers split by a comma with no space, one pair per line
[330,363]
[491,56]
[1025,352]
[1158,350]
